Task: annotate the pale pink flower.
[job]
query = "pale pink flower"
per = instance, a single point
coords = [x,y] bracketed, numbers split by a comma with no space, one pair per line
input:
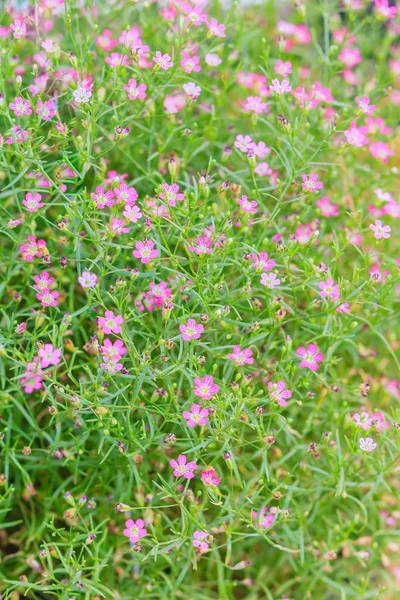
[111,364]
[264,519]
[367,445]
[19,29]
[254,104]
[262,262]
[82,95]
[381,151]
[203,245]
[270,280]
[145,251]
[48,46]
[190,63]
[113,350]
[241,357]
[343,308]
[310,357]
[195,15]
[205,388]
[48,298]
[196,416]
[163,60]
[202,540]
[280,87]
[43,281]
[46,110]
[110,323]
[134,530]
[132,213]
[380,230]
[116,226]
[87,279]
[102,198]
[243,143]
[385,10]
[327,209]
[20,107]
[170,193]
[182,468]
[215,28]
[192,90]
[355,137]
[191,331]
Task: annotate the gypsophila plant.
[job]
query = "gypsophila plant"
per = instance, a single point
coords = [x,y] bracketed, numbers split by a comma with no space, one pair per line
[199,330]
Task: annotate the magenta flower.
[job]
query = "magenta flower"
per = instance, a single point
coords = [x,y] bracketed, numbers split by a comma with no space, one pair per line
[32,202]
[197,416]
[191,331]
[49,355]
[248,206]
[134,530]
[110,323]
[270,280]
[117,226]
[135,91]
[111,364]
[310,357]
[380,230]
[170,193]
[204,245]
[210,478]
[190,63]
[263,520]
[32,248]
[241,357]
[46,110]
[113,350]
[311,183]
[262,262]
[144,251]
[183,469]
[327,209]
[355,137]
[329,290]
[365,106]
[277,392]
[205,388]
[216,28]
[19,29]
[102,198]
[48,298]
[283,68]
[87,279]
[31,382]
[125,194]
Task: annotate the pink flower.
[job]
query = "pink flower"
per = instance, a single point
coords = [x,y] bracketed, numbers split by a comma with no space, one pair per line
[192,90]
[248,206]
[270,280]
[48,46]
[205,388]
[48,298]
[116,226]
[105,41]
[191,331]
[170,193]
[32,249]
[110,323]
[195,16]
[216,28]
[163,60]
[243,143]
[135,91]
[254,104]
[263,520]
[277,392]
[204,245]
[19,29]
[32,202]
[87,279]
[381,151]
[350,57]
[31,382]
[102,198]
[46,110]
[82,95]
[327,209]
[365,106]
[280,87]
[386,11]
[202,540]
[144,251]
[262,262]
[134,530]
[329,290]
[311,183]
[42,281]
[283,68]
[241,357]
[260,150]
[125,194]
[367,445]
[116,350]
[20,107]
[197,416]
[49,355]
[310,357]
[190,63]
[132,213]
[355,137]
[111,364]
[343,308]
[183,469]
[160,292]
[209,477]
[380,231]
[363,421]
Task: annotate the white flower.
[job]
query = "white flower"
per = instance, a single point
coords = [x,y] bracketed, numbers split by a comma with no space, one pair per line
[82,95]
